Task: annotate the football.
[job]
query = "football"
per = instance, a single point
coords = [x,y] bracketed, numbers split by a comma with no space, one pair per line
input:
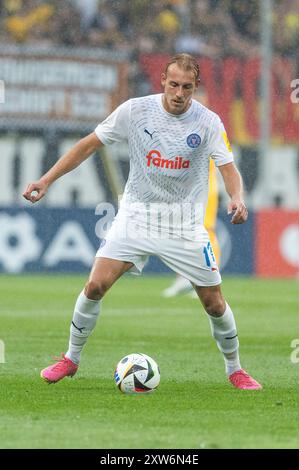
[137,373]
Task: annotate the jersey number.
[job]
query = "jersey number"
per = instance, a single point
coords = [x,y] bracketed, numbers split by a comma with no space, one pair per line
[208,252]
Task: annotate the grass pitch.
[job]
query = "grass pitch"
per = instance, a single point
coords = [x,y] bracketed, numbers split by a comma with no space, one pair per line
[194,407]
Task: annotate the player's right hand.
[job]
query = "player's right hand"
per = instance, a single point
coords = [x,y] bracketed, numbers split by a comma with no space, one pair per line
[35,191]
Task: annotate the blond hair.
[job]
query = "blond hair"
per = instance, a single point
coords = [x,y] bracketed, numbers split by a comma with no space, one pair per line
[186,62]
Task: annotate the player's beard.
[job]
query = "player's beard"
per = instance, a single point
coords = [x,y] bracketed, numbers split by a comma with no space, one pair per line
[180,106]
[175,105]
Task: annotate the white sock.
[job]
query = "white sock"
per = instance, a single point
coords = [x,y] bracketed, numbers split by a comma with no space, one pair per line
[84,320]
[224,331]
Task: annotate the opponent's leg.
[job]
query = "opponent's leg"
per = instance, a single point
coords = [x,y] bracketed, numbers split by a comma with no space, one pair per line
[223,327]
[180,285]
[104,273]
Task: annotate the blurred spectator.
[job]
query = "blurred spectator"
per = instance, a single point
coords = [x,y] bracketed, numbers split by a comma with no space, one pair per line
[65,29]
[33,21]
[88,10]
[286,28]
[25,17]
[245,16]
[105,29]
[167,22]
[213,21]
[196,44]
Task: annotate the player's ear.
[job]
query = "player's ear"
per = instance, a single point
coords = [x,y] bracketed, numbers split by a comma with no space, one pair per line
[163,79]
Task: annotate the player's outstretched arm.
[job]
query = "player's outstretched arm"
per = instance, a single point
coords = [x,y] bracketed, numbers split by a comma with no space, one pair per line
[68,162]
[234,187]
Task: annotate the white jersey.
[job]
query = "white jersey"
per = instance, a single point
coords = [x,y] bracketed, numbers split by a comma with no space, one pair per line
[169,158]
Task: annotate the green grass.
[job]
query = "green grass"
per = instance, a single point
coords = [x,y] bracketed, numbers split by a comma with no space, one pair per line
[194,406]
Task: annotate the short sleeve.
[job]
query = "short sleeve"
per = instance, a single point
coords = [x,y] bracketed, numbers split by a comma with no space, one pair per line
[219,146]
[115,127]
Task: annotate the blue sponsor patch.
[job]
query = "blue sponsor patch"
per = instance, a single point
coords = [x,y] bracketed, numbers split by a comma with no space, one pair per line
[193,140]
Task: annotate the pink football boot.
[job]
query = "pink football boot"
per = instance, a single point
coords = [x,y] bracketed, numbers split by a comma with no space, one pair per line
[243,381]
[63,368]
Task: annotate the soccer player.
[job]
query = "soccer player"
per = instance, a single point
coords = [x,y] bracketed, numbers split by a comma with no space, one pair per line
[171,138]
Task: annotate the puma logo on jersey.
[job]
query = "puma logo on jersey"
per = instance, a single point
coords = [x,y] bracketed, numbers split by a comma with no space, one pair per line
[154,158]
[149,133]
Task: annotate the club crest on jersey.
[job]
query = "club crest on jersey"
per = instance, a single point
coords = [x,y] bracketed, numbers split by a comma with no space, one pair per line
[154,158]
[193,140]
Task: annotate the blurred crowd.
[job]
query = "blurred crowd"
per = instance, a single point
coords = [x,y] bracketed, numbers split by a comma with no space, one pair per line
[214,28]
[205,28]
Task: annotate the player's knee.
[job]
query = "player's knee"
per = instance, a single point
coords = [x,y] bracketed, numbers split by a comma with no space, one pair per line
[214,305]
[96,290]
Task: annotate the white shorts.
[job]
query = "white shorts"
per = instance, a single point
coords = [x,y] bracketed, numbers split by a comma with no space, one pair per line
[193,259]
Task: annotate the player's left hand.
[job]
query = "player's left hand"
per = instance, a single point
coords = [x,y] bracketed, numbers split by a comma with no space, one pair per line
[239,211]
